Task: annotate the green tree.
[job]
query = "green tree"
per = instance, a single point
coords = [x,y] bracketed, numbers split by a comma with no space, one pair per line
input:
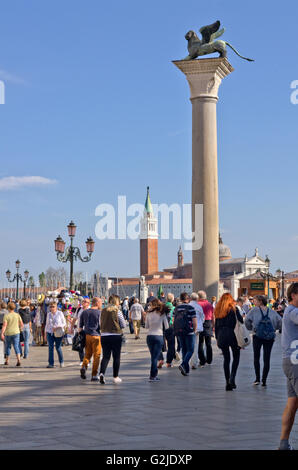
[42,279]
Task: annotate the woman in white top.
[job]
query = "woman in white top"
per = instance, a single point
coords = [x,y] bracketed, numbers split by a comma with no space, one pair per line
[155,320]
[55,331]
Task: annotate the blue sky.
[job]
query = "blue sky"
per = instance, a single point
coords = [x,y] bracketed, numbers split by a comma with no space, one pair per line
[94,103]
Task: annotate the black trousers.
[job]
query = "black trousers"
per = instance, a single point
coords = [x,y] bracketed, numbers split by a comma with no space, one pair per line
[230,375]
[111,344]
[267,347]
[203,338]
[81,354]
[178,344]
[170,337]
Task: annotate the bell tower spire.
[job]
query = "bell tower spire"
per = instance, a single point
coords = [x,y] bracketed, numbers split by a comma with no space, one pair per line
[180,257]
[148,239]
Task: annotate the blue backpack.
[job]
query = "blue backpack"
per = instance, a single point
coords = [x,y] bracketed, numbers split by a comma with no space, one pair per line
[265,328]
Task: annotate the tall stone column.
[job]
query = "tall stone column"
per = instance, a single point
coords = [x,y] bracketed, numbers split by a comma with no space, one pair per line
[204,77]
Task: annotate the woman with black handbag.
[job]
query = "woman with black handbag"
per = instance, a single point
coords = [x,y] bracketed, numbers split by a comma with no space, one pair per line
[225,322]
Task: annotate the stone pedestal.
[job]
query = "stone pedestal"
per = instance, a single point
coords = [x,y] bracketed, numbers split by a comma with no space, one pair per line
[204,77]
[143,291]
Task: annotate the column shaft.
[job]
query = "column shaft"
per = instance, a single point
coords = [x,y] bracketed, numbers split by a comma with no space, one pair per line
[205,262]
[204,77]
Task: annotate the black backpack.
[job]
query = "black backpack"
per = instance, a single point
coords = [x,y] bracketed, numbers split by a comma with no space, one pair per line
[181,322]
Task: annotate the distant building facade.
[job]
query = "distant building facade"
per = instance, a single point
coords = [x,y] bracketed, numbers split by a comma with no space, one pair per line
[178,278]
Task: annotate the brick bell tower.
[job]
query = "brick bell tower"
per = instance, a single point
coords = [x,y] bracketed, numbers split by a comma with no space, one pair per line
[148,240]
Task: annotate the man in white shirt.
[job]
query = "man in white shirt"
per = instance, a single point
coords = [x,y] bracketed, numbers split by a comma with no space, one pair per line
[125,308]
[135,315]
[200,320]
[246,305]
[84,306]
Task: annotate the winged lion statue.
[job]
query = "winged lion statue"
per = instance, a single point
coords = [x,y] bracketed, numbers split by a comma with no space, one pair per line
[208,44]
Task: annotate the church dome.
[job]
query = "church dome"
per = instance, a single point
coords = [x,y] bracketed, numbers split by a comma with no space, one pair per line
[224,251]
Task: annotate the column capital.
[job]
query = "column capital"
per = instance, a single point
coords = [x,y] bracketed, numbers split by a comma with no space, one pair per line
[204,75]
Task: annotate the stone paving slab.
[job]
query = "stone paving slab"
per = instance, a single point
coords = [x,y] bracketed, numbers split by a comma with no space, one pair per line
[54,409]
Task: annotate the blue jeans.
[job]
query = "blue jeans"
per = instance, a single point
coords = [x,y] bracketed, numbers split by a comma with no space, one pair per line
[53,341]
[13,340]
[155,344]
[125,314]
[26,334]
[187,346]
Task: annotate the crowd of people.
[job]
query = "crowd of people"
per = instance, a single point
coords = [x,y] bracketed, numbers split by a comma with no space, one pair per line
[50,320]
[178,327]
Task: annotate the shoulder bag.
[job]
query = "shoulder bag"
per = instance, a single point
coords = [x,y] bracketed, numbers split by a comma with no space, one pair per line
[242,334]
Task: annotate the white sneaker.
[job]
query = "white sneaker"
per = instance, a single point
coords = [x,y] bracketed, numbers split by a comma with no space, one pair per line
[117,380]
[61,364]
[102,379]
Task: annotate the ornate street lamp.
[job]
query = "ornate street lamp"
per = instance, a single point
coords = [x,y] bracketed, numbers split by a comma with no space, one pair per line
[17,277]
[281,277]
[72,253]
[26,276]
[59,245]
[90,245]
[267,262]
[72,229]
[283,284]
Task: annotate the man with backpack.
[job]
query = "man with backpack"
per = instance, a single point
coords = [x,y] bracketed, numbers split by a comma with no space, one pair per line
[263,321]
[185,325]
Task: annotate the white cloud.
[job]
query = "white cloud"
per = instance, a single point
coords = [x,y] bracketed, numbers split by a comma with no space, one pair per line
[16,182]
[9,77]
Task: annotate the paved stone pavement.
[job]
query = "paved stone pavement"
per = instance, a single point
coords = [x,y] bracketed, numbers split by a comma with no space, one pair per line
[54,409]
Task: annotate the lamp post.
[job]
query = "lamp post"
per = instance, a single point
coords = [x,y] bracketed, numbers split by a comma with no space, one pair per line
[26,275]
[281,277]
[283,284]
[72,253]
[18,277]
[267,262]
